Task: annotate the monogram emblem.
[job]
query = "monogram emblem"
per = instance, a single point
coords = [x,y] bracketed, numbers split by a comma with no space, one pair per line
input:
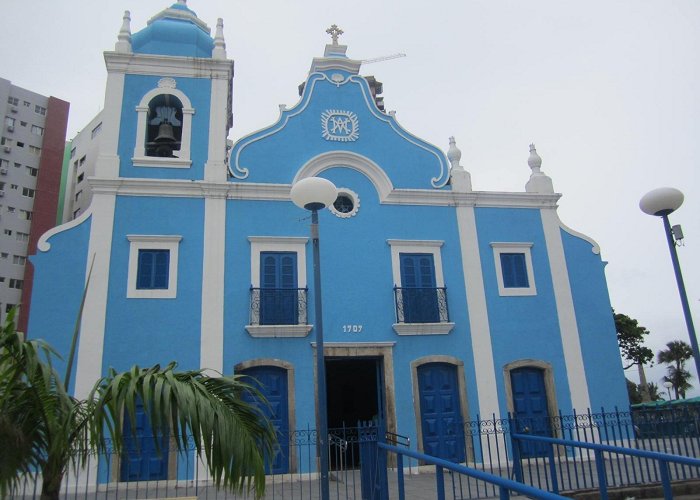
[339,125]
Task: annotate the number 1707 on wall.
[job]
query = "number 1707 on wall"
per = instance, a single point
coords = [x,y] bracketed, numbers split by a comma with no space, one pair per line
[352,328]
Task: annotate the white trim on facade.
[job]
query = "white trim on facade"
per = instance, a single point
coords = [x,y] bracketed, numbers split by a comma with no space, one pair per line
[92,325]
[152,242]
[571,343]
[512,247]
[211,355]
[480,331]
[168,66]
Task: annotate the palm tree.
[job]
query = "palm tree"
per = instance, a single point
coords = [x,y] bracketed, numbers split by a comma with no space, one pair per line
[675,355]
[43,429]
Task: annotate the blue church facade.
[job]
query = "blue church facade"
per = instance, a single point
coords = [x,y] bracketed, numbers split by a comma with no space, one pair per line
[441,304]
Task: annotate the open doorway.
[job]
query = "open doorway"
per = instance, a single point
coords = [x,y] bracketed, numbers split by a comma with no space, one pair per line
[353,388]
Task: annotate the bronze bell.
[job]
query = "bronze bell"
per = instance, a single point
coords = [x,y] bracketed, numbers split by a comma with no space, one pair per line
[165,133]
[165,141]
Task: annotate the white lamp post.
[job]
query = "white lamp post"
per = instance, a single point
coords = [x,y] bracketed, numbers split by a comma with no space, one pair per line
[668,386]
[314,194]
[661,202]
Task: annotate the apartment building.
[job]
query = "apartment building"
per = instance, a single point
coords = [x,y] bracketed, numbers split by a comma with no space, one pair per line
[31,153]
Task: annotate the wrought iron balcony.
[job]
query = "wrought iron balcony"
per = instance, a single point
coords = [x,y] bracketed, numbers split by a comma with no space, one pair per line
[421,305]
[278,306]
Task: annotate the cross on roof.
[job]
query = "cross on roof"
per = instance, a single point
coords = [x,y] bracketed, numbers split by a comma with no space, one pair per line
[334,32]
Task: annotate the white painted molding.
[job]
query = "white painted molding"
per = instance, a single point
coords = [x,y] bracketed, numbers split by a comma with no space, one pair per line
[357,162]
[171,66]
[280,192]
[211,351]
[278,331]
[241,171]
[595,246]
[43,244]
[154,161]
[566,312]
[423,328]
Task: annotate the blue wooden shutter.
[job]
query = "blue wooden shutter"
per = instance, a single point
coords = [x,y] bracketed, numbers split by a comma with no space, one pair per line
[418,290]
[278,284]
[153,269]
[514,270]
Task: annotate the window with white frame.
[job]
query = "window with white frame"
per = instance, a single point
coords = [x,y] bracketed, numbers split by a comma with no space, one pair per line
[419,287]
[278,287]
[514,271]
[153,264]
[37,130]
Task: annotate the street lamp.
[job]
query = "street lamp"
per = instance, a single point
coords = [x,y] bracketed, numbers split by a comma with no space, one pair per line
[668,384]
[314,194]
[661,202]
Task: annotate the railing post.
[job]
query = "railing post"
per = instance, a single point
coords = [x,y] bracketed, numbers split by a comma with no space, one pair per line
[439,482]
[602,479]
[553,470]
[515,445]
[399,478]
[665,479]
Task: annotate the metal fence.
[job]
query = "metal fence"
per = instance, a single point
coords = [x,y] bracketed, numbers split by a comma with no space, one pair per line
[356,466]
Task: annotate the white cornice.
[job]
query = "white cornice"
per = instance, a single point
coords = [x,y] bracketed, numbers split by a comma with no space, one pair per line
[280,192]
[423,328]
[173,66]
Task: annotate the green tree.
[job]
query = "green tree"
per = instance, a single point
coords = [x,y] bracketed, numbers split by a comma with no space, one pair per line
[675,355]
[630,338]
[44,429]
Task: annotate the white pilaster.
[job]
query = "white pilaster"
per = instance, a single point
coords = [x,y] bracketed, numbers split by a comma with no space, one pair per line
[92,326]
[573,356]
[108,160]
[478,312]
[212,336]
[215,169]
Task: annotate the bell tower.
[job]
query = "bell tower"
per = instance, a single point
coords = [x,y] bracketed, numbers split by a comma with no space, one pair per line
[168,100]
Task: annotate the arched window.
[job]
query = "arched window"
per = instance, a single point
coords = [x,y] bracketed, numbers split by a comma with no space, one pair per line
[163,128]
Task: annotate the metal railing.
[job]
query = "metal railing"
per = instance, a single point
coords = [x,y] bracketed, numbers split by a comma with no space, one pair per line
[421,305]
[607,460]
[278,306]
[503,485]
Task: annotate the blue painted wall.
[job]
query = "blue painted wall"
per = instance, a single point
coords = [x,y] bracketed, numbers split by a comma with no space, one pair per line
[521,327]
[596,325]
[59,282]
[149,331]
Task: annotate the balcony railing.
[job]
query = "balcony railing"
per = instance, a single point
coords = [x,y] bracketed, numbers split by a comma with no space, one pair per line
[421,305]
[278,306]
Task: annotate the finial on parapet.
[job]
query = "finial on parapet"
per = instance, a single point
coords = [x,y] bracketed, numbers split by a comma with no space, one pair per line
[124,38]
[182,2]
[334,32]
[539,182]
[219,51]
[460,179]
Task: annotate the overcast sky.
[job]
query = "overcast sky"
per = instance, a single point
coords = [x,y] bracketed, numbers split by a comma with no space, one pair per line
[608,92]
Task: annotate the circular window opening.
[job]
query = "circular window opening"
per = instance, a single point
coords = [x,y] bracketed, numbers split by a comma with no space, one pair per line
[346,204]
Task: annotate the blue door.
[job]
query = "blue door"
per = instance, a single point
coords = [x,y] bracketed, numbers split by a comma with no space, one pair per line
[141,461]
[272,383]
[418,289]
[278,288]
[530,408]
[441,415]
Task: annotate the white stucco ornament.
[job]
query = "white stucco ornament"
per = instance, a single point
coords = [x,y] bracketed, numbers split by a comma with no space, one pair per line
[337,125]
[167,83]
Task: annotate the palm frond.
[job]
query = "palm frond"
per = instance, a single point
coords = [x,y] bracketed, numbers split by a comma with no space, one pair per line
[231,434]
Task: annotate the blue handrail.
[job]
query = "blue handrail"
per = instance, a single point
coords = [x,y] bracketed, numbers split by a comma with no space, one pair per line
[663,459]
[504,485]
